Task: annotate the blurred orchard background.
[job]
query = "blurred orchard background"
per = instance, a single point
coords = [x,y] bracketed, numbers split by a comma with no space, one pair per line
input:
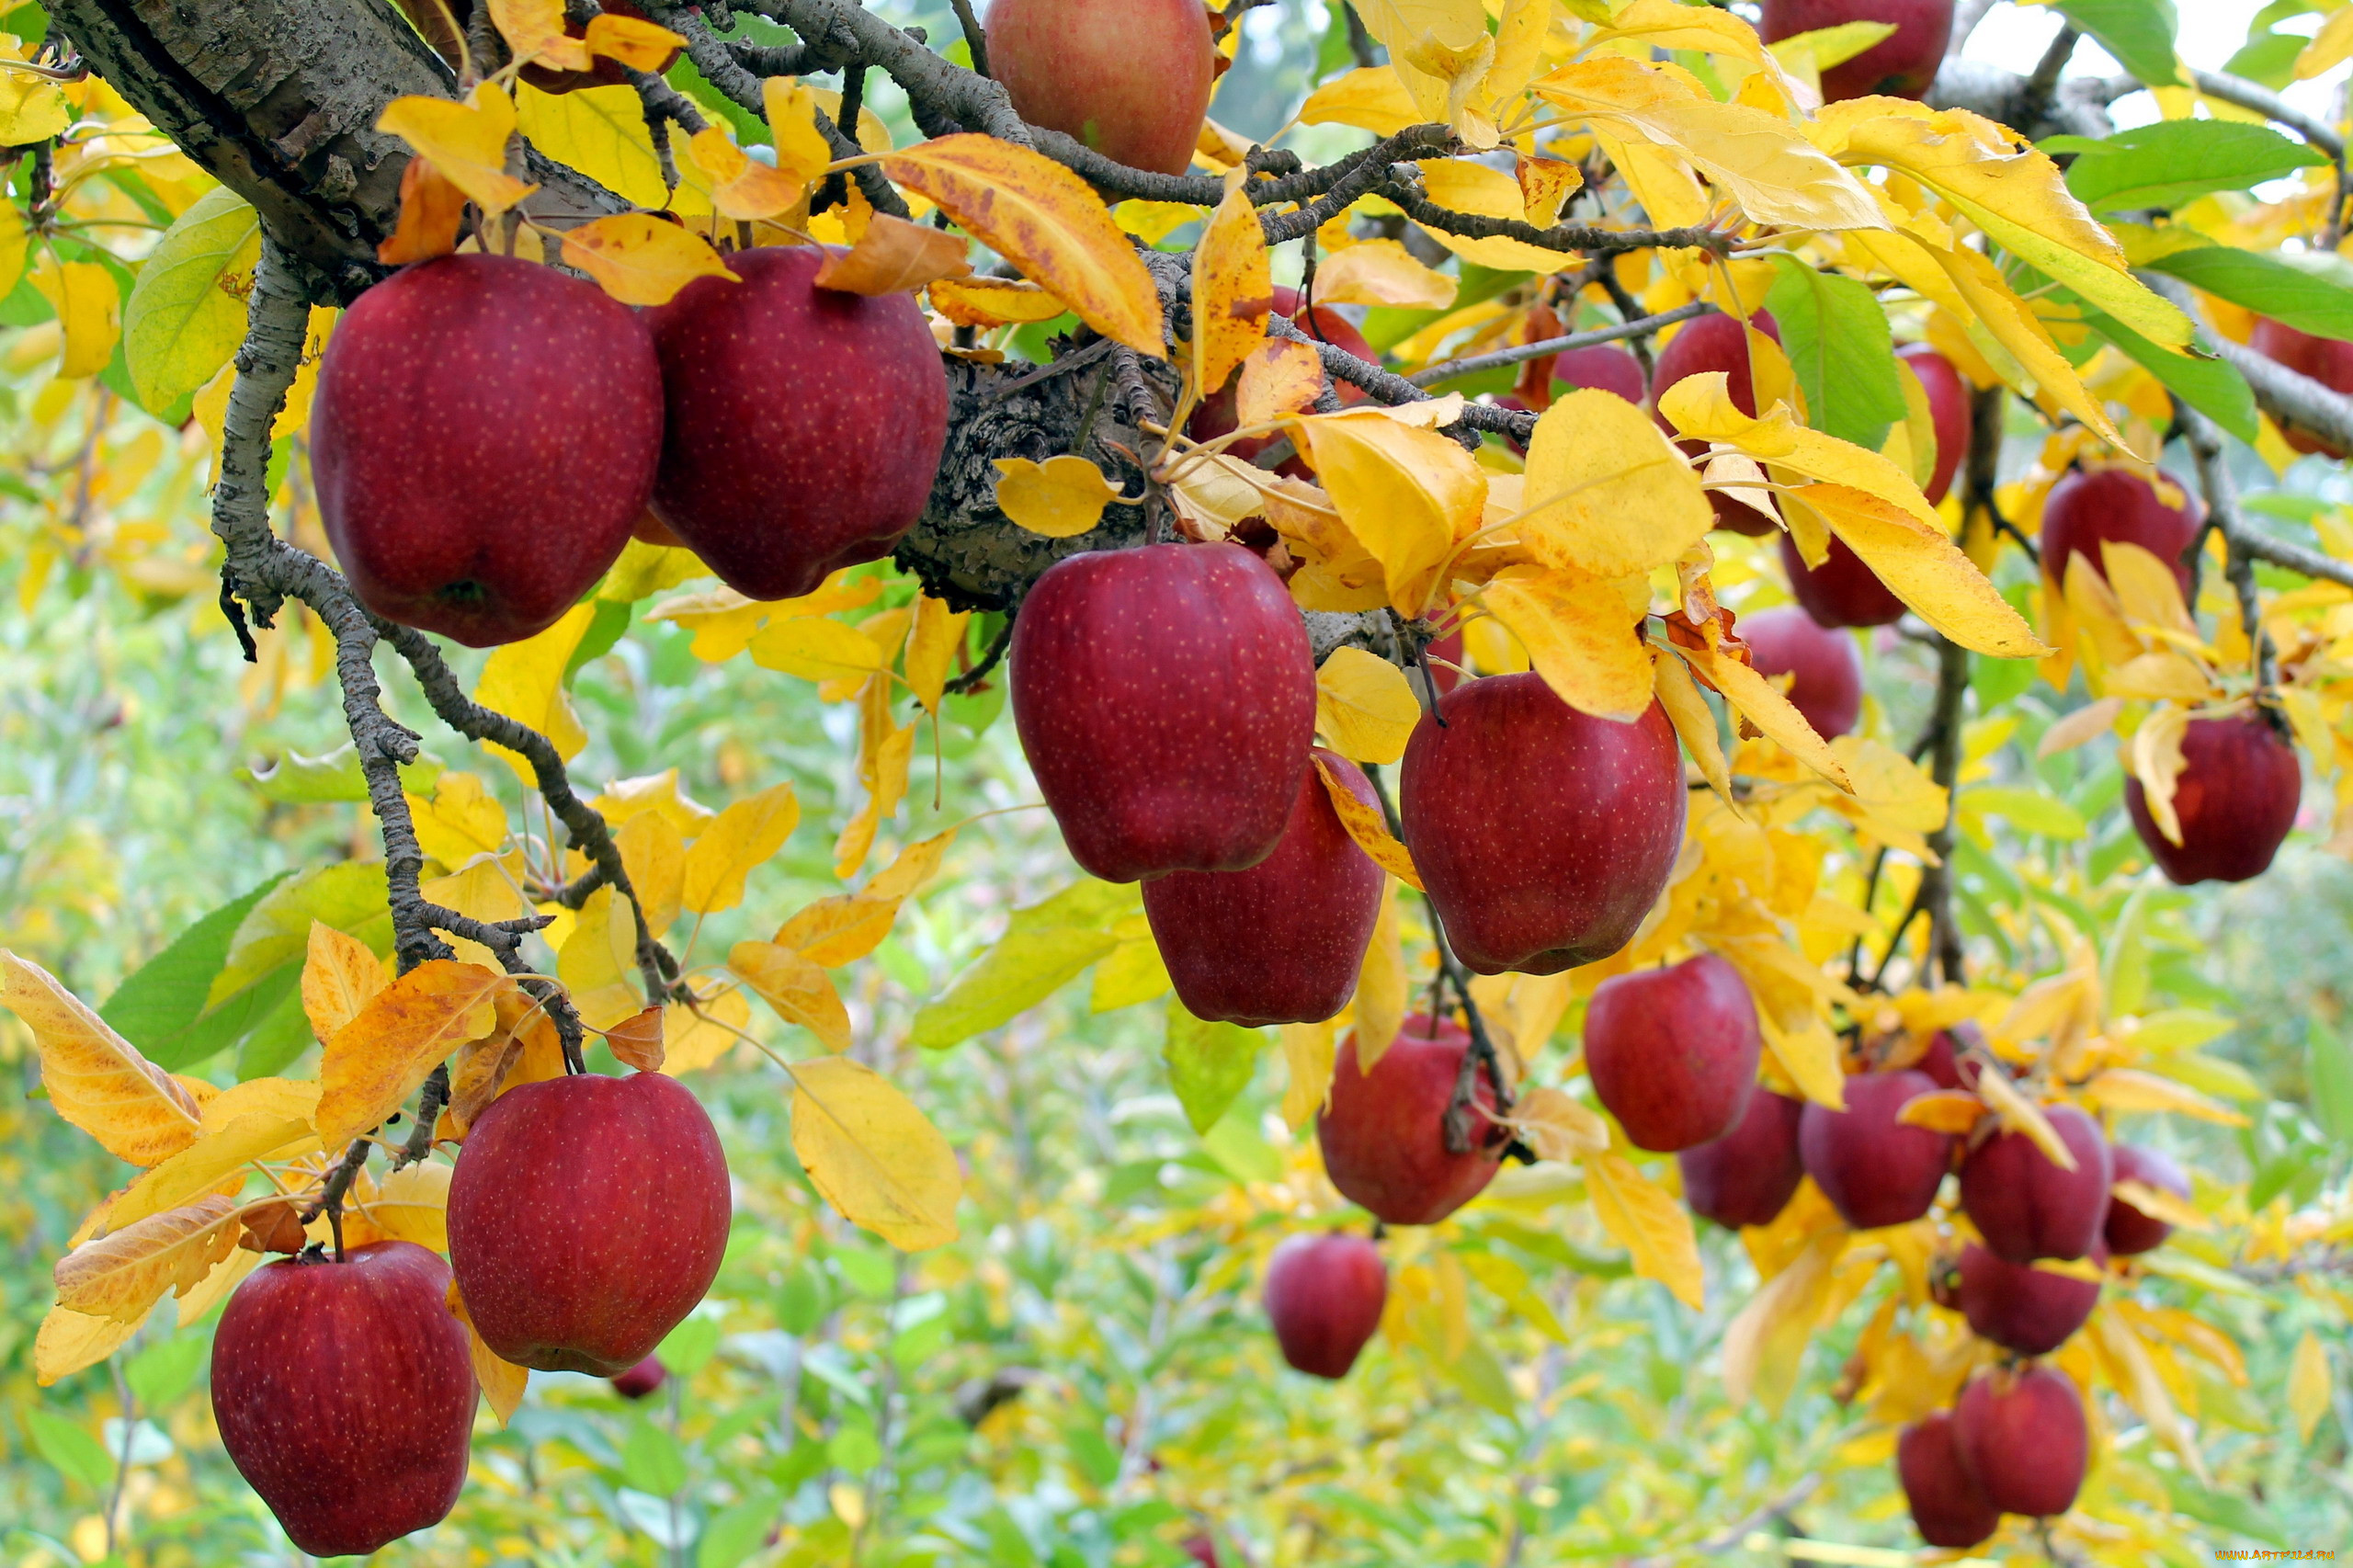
[1085,1377]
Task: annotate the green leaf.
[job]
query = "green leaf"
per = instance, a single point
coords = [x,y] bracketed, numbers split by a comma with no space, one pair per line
[2313,295]
[2328,1069]
[736,1531]
[688,1347]
[74,1452]
[651,1460]
[2139,33]
[298,781]
[2175,161]
[1208,1065]
[2268,59]
[156,1008]
[2212,386]
[2029,808]
[186,313]
[1836,337]
[348,895]
[1241,1150]
[166,1369]
[1044,948]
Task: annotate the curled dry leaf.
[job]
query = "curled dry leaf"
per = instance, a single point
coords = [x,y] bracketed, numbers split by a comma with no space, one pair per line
[97,1079]
[994,302]
[431,209]
[875,1157]
[1059,499]
[467,141]
[1545,186]
[641,259]
[382,1057]
[122,1275]
[1557,1126]
[1367,828]
[637,1042]
[894,257]
[274,1227]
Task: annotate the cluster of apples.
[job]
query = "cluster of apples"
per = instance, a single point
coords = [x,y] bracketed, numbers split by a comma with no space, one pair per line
[487,432]
[587,1216]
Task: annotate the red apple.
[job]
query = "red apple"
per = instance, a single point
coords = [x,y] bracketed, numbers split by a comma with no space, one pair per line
[345,1394]
[2235,800]
[1201,1550]
[1130,79]
[2021,1434]
[2129,1232]
[587,1216]
[1324,1295]
[1384,1134]
[1605,367]
[2030,1310]
[484,432]
[1874,1169]
[1901,65]
[1946,1507]
[1842,591]
[1748,1175]
[1165,696]
[1951,411]
[2327,361]
[1219,413]
[2027,1206]
[1673,1052]
[1543,834]
[641,1380]
[805,424]
[1942,1059]
[1827,673]
[1280,942]
[2087,509]
[1717,343]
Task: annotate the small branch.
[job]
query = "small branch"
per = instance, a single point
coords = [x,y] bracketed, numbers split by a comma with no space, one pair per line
[1359,40]
[969,680]
[975,39]
[429,1104]
[1936,881]
[1640,327]
[2271,106]
[2043,80]
[2224,515]
[330,1199]
[1587,239]
[2288,397]
[1393,389]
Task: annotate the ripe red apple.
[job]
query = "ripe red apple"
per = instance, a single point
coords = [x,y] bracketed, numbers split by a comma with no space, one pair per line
[2235,800]
[2021,1434]
[1383,1135]
[2020,1308]
[1874,1169]
[641,1380]
[1280,942]
[1942,1059]
[1165,696]
[345,1394]
[1827,673]
[1131,80]
[2085,510]
[1946,1507]
[1842,591]
[2327,361]
[1901,65]
[2025,1206]
[1323,1295]
[1604,367]
[1543,834]
[484,432]
[587,1216]
[1673,1052]
[1951,411]
[805,424]
[2129,1232]
[1218,412]
[1748,1175]
[1201,1550]
[1717,343]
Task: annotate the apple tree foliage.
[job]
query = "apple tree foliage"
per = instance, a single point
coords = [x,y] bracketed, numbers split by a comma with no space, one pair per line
[991,1294]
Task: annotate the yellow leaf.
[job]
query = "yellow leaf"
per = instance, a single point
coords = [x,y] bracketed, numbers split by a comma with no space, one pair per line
[597,962]
[656,858]
[1894,801]
[1044,220]
[1766,1341]
[462,820]
[1059,499]
[88,307]
[599,132]
[1557,1125]
[13,232]
[503,1382]
[637,43]
[2021,1115]
[931,649]
[525,681]
[885,753]
[801,150]
[1607,494]
[1131,973]
[835,931]
[1232,290]
[817,649]
[746,835]
[1382,985]
[1364,709]
[994,302]
[1945,1110]
[31,109]
[380,1057]
[1650,1224]
[742,187]
[1406,494]
[637,1040]
[800,991]
[1463,187]
[1695,724]
[2155,756]
[534,33]
[1367,826]
[894,257]
[1309,1050]
[98,1081]
[1581,635]
[694,1037]
[1280,376]
[218,1160]
[70,1341]
[1369,98]
[467,141]
[1380,272]
[876,1158]
[641,259]
[625,797]
[1545,187]
[217,1285]
[2159,1204]
[1764,705]
[280,1099]
[122,1275]
[2130,1089]
[412,1205]
[2311,1388]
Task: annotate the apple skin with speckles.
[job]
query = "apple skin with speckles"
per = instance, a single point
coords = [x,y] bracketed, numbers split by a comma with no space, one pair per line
[1280,942]
[1543,834]
[2088,508]
[2235,800]
[345,1394]
[1673,1052]
[1825,672]
[1323,1297]
[1166,697]
[1747,1175]
[1874,1169]
[2022,1435]
[1383,1133]
[2019,1306]
[1946,1507]
[805,424]
[2025,1205]
[485,431]
[587,1216]
[1128,78]
[2128,1231]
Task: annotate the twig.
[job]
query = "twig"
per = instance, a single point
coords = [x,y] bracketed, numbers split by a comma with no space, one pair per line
[2224,515]
[1638,328]
[2271,106]
[1359,40]
[2043,80]
[975,39]
[964,683]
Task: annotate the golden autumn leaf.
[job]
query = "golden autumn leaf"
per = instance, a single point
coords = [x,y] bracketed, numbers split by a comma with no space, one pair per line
[656,858]
[932,644]
[340,976]
[747,834]
[411,1204]
[1364,709]
[467,141]
[534,33]
[97,1079]
[800,991]
[694,1037]
[641,259]
[1380,272]
[597,961]
[68,1341]
[1059,499]
[1280,376]
[2130,1089]
[742,187]
[993,302]
[1648,1223]
[1044,220]
[1606,495]
[1545,187]
[1232,290]
[894,257]
[525,681]
[876,1158]
[2311,1388]
[1766,1341]
[124,1273]
[634,41]
[1309,1050]
[1694,722]
[817,648]
[802,151]
[1367,826]
[1557,1126]
[1945,1110]
[377,1061]
[1382,984]
[502,1381]
[463,819]
[87,305]
[1369,98]
[1406,494]
[1764,705]
[637,1040]
[2155,756]
[835,931]
[885,752]
[217,1160]
[430,210]
[1581,635]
